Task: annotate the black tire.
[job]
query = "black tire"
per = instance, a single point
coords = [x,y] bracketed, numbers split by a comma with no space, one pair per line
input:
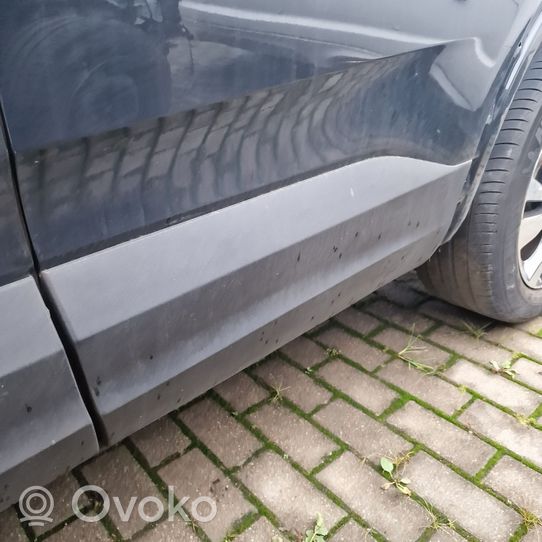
[479,268]
[70,76]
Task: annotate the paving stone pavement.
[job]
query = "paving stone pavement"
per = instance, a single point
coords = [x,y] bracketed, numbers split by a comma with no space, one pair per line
[301,434]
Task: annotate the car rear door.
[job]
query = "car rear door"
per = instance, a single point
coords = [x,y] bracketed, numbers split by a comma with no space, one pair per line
[44,426]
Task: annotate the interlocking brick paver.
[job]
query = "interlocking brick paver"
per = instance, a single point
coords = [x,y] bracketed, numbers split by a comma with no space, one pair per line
[463,502]
[368,437]
[118,473]
[533,535]
[504,429]
[518,483]
[10,527]
[259,531]
[62,490]
[357,320]
[411,320]
[446,535]
[454,316]
[517,340]
[193,476]
[296,436]
[529,372]
[458,446]
[82,531]
[305,352]
[159,440]
[220,432]
[290,496]
[353,348]
[361,387]
[352,532]
[400,519]
[170,531]
[415,349]
[469,346]
[241,392]
[292,384]
[430,389]
[494,387]
[533,326]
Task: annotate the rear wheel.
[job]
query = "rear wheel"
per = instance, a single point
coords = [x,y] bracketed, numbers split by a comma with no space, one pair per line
[493,265]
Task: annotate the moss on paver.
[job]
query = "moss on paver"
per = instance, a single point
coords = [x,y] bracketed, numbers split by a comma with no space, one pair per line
[436,519]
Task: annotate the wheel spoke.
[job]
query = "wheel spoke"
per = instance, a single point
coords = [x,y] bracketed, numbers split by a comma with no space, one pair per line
[530,227]
[533,267]
[534,192]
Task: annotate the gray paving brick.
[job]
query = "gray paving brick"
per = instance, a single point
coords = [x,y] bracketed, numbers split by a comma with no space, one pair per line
[428,388]
[529,372]
[416,348]
[193,475]
[357,320]
[411,320]
[504,429]
[454,316]
[241,392]
[159,440]
[533,326]
[260,531]
[458,446]
[293,435]
[494,387]
[352,532]
[290,496]
[353,348]
[368,437]
[82,531]
[10,527]
[396,516]
[293,384]
[62,490]
[519,483]
[517,341]
[362,388]
[446,535]
[472,508]
[220,432]
[468,346]
[305,352]
[117,472]
[170,531]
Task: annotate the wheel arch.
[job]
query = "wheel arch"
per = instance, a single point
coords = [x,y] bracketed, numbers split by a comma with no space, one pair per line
[507,82]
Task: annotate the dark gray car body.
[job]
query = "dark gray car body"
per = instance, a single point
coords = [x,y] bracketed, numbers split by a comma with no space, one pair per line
[191,185]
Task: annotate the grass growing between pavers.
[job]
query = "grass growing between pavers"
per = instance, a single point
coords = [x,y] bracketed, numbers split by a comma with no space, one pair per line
[162,487]
[96,505]
[374,462]
[436,520]
[269,445]
[230,472]
[404,397]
